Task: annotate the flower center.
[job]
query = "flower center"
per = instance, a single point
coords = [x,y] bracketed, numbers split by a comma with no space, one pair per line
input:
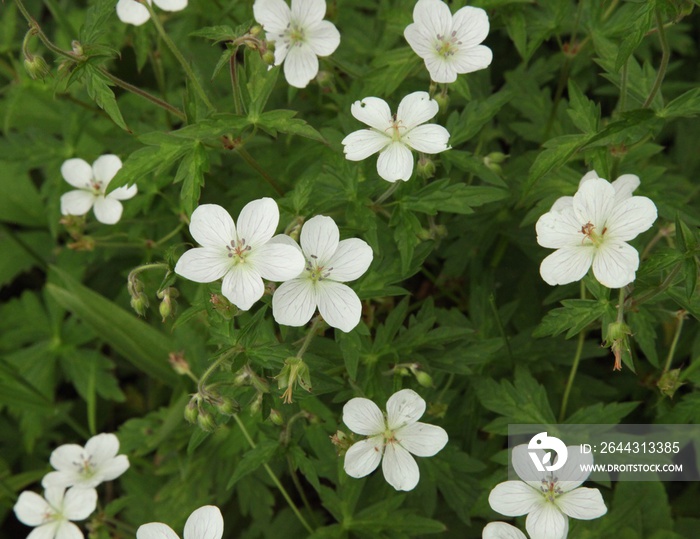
[95,186]
[389,436]
[294,34]
[447,45]
[316,272]
[395,129]
[588,231]
[85,467]
[550,489]
[238,250]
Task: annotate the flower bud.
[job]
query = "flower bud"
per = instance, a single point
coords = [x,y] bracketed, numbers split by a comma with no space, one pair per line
[276,417]
[192,411]
[443,101]
[669,382]
[617,338]
[341,441]
[255,30]
[424,378]
[36,67]
[426,167]
[493,161]
[227,406]
[77,47]
[269,57]
[294,371]
[140,303]
[206,421]
[165,308]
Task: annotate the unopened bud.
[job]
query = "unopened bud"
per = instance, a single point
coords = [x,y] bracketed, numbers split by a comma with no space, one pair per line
[227,406]
[669,382]
[140,303]
[77,47]
[269,57]
[192,411]
[255,30]
[179,363]
[165,308]
[37,67]
[617,339]
[325,80]
[426,167]
[276,417]
[341,441]
[443,101]
[424,378]
[206,421]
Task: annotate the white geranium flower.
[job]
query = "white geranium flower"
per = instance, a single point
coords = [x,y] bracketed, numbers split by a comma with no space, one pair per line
[592,230]
[204,523]
[243,255]
[501,530]
[300,35]
[92,181]
[51,515]
[395,136]
[394,436]
[133,12]
[548,498]
[449,44]
[329,263]
[86,467]
[624,187]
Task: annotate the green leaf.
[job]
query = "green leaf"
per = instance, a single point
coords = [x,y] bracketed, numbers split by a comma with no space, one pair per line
[440,196]
[99,91]
[17,393]
[222,32]
[559,151]
[16,256]
[142,345]
[583,112]
[684,106]
[91,373]
[599,413]
[640,22]
[284,122]
[350,346]
[406,230]
[252,460]
[261,82]
[191,173]
[475,115]
[573,317]
[96,20]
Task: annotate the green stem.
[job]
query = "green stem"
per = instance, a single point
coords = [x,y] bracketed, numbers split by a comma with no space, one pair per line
[215,365]
[233,68]
[178,56]
[272,475]
[668,281]
[393,187]
[665,57]
[623,87]
[621,306]
[40,34]
[170,234]
[318,321]
[669,359]
[256,166]
[574,366]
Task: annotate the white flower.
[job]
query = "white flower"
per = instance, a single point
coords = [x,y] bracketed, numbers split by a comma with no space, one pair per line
[394,137]
[548,498]
[204,523]
[449,44]
[501,530]
[624,187]
[92,181]
[133,12]
[86,467]
[300,35]
[394,437]
[592,228]
[329,263]
[243,255]
[52,514]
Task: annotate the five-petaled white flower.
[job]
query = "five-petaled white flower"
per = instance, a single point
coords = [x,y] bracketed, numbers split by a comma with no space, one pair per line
[449,44]
[300,35]
[394,137]
[51,515]
[548,498]
[134,12]
[243,255]
[92,181]
[501,530]
[204,523]
[591,229]
[86,467]
[329,263]
[394,436]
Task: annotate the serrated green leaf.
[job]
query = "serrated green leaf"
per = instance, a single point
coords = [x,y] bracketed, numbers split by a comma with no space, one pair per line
[603,414]
[573,317]
[684,106]
[583,112]
[284,122]
[559,151]
[640,23]
[440,196]
[252,460]
[99,91]
[191,172]
[96,19]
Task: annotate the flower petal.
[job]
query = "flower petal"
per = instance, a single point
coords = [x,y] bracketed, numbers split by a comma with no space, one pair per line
[364,417]
[582,503]
[615,264]
[567,265]
[430,138]
[277,262]
[400,468]
[593,202]
[205,523]
[557,229]
[132,12]
[630,218]
[350,260]
[323,38]
[415,109]
[515,498]
[361,144]
[546,522]
[212,226]
[300,65]
[203,265]
[319,239]
[76,202]
[108,210]
[61,479]
[68,530]
[433,16]
[363,457]
[441,69]
[339,305]
[64,457]
[171,5]
[155,530]
[374,112]
[404,408]
[395,162]
[258,221]
[470,25]
[77,172]
[46,531]
[563,204]
[421,43]
[307,12]
[115,467]
[242,286]
[472,59]
[573,473]
[274,15]
[102,447]
[525,467]
[31,508]
[79,503]
[421,439]
[105,167]
[501,530]
[294,302]
[624,187]
[124,193]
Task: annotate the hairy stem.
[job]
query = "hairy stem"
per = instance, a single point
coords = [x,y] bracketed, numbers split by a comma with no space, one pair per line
[665,57]
[574,366]
[680,316]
